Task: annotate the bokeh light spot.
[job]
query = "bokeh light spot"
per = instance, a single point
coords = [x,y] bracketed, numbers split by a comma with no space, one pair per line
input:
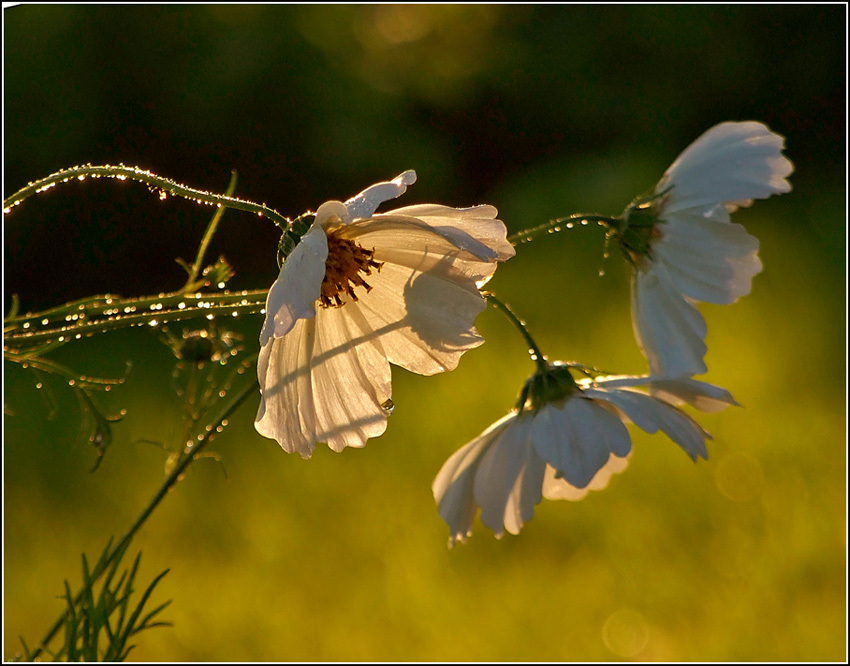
[625,633]
[739,477]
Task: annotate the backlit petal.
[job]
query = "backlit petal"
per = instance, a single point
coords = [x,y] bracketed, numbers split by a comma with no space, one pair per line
[509,480]
[651,415]
[474,229]
[423,300]
[325,381]
[732,162]
[557,488]
[453,487]
[293,295]
[577,437]
[668,328]
[708,261]
[367,202]
[702,395]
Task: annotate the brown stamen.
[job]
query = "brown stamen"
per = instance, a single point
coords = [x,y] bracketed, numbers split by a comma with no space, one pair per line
[346,260]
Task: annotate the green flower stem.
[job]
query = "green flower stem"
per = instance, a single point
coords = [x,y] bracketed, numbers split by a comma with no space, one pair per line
[533,349]
[164,185]
[555,225]
[205,241]
[105,313]
[190,453]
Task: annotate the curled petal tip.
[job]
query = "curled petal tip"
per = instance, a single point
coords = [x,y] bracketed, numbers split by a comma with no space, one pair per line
[405,179]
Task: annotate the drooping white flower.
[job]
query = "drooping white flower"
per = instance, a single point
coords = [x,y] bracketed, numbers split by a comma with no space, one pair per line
[362,290]
[684,248]
[565,447]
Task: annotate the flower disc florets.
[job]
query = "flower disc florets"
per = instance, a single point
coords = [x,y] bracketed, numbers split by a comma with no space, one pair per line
[346,261]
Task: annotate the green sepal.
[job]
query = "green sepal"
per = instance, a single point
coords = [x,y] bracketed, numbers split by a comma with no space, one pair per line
[554,383]
[635,229]
[292,235]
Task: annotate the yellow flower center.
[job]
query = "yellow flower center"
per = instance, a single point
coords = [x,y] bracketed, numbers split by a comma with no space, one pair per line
[346,261]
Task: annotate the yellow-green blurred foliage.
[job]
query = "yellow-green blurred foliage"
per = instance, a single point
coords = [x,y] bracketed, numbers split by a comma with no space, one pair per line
[542,112]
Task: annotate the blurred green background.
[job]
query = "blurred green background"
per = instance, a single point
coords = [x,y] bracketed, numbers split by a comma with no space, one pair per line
[542,111]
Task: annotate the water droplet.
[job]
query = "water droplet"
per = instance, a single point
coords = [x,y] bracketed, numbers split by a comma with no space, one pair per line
[388,405]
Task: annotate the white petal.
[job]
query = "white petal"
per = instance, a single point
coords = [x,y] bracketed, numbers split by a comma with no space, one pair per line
[702,395]
[668,328]
[366,203]
[453,487]
[555,488]
[331,214]
[474,229]
[705,397]
[732,162]
[351,379]
[286,406]
[294,294]
[708,260]
[577,437]
[651,414]
[509,480]
[426,320]
[404,240]
[423,301]
[325,381]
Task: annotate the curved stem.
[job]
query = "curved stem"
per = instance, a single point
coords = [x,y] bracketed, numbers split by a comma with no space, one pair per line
[164,185]
[190,453]
[104,313]
[205,241]
[533,349]
[554,225]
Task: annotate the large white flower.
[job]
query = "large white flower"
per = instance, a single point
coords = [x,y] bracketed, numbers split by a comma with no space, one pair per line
[564,448]
[684,247]
[360,291]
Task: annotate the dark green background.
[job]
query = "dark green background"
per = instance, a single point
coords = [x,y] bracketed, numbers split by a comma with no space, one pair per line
[542,111]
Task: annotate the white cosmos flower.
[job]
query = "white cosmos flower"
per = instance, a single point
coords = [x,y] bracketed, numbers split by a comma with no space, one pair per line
[565,448]
[684,247]
[362,290]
